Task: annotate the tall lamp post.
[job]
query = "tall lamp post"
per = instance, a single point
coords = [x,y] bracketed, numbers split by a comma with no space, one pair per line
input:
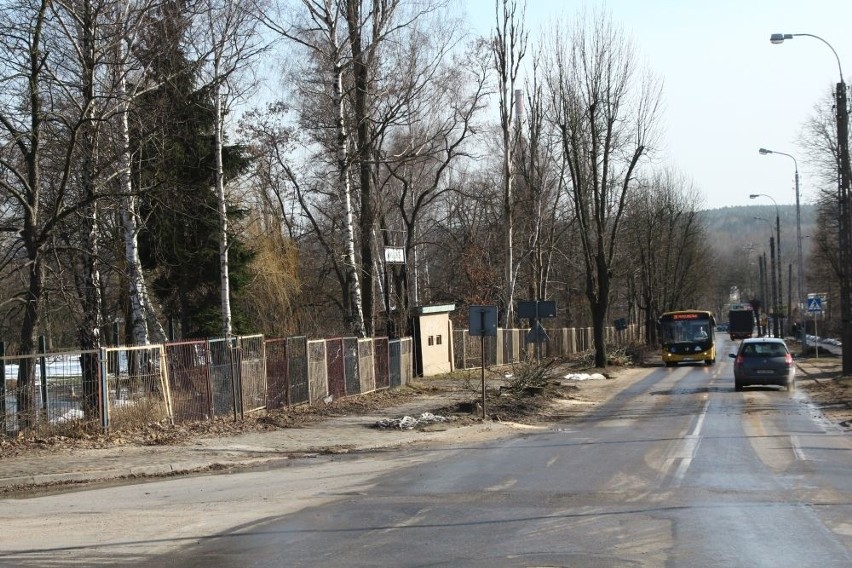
[778,313]
[845,177]
[800,270]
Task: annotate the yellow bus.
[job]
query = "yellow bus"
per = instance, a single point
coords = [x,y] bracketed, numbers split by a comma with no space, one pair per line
[688,337]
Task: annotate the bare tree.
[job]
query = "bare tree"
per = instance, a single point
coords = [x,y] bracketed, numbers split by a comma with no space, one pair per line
[509,47]
[605,111]
[442,96]
[544,218]
[319,29]
[819,139]
[50,64]
[666,246]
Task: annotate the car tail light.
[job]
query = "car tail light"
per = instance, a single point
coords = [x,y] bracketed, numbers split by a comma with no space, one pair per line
[788,360]
[739,360]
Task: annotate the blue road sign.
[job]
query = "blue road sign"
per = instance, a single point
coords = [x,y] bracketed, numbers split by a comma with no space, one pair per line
[815,304]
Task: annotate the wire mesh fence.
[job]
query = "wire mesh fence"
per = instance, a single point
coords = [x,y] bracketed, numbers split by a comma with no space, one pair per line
[381,358]
[46,393]
[277,379]
[189,380]
[252,373]
[334,363]
[123,387]
[297,369]
[136,390]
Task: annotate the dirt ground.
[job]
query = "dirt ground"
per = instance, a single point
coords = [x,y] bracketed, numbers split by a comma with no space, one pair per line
[828,389]
[522,394]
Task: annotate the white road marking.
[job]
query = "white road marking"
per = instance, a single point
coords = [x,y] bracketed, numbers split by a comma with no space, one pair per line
[797,448]
[501,486]
[690,445]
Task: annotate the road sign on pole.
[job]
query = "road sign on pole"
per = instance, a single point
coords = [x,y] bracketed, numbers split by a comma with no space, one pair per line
[815,304]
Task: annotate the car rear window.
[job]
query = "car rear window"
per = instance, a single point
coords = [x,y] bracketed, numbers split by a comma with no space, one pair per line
[764,350]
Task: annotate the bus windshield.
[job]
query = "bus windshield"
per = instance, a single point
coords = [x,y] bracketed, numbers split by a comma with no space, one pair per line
[687,337]
[683,327]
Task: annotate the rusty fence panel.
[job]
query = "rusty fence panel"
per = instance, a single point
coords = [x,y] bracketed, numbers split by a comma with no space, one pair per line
[297,369]
[350,365]
[52,397]
[136,389]
[317,377]
[277,381]
[335,367]
[366,370]
[252,373]
[380,362]
[224,361]
[189,380]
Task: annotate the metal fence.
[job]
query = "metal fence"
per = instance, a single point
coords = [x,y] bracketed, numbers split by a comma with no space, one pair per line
[189,380]
[136,387]
[46,391]
[252,373]
[511,345]
[125,387]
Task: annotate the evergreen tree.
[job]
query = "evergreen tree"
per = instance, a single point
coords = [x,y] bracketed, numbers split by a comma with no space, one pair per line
[175,176]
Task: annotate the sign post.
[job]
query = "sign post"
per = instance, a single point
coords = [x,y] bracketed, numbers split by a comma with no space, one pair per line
[482,321]
[535,310]
[814,308]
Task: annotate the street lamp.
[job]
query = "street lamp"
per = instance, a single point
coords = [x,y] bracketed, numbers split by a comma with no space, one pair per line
[800,271]
[778,256]
[844,179]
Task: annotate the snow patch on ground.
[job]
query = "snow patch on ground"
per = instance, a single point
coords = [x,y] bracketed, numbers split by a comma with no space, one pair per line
[584,377]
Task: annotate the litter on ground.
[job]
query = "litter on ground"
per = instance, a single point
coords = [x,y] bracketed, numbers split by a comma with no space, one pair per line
[409,422]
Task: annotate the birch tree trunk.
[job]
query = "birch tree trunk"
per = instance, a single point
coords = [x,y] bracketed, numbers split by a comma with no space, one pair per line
[222,203]
[345,187]
[130,224]
[89,329]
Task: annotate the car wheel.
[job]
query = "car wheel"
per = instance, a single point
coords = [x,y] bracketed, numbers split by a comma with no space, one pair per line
[709,361]
[738,387]
[669,364]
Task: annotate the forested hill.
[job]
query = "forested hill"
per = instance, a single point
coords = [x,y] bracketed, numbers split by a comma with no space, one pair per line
[735,228]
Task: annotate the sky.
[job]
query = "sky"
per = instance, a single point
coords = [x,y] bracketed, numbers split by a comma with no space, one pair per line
[727,90]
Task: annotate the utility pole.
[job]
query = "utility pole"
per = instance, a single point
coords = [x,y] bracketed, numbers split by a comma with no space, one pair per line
[774,287]
[845,255]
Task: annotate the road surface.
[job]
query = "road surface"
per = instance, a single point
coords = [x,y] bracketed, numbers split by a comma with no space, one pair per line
[677,470]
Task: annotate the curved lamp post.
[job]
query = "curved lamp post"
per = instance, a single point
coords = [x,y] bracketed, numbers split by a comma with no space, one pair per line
[845,178]
[779,301]
[800,270]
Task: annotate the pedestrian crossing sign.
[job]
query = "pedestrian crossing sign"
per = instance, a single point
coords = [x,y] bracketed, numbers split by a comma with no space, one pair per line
[815,304]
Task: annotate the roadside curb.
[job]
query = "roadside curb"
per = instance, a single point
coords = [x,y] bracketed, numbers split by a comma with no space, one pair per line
[140,467]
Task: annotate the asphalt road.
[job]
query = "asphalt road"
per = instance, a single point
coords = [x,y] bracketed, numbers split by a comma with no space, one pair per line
[677,470]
